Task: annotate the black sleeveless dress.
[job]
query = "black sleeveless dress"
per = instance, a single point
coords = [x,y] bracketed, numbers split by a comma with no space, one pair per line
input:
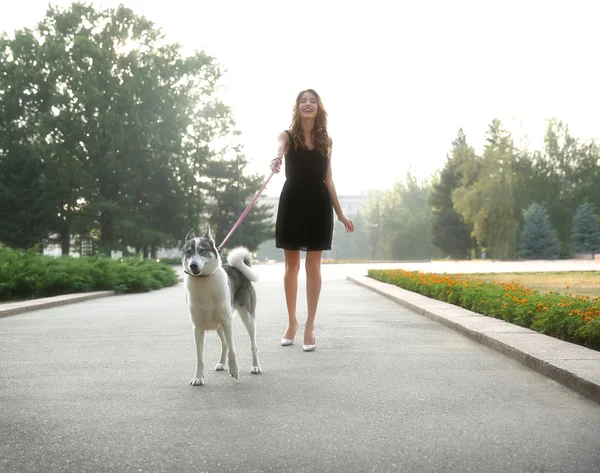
[305,214]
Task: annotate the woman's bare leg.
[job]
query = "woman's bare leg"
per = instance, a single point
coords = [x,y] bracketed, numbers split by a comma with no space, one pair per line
[313,291]
[290,283]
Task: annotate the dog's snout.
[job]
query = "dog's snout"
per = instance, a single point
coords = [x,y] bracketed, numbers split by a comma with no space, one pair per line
[194,266]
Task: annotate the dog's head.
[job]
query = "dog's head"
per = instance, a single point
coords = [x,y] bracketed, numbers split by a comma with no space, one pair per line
[200,255]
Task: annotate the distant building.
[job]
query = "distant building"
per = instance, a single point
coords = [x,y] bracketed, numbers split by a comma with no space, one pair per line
[353,203]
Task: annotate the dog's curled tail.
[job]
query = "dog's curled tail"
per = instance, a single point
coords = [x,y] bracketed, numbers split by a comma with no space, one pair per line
[241,259]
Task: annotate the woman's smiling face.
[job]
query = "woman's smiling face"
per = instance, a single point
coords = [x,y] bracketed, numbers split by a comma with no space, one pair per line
[307,106]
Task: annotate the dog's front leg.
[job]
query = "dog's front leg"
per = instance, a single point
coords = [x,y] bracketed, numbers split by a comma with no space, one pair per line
[198,379]
[233,364]
[221,365]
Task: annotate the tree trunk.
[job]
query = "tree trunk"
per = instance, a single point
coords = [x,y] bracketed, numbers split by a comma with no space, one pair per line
[65,243]
[106,237]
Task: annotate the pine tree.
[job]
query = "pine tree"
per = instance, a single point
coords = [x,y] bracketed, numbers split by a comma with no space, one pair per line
[227,194]
[450,233]
[563,177]
[585,236]
[539,239]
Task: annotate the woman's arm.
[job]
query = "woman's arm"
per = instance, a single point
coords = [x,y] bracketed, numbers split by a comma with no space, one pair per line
[348,224]
[283,145]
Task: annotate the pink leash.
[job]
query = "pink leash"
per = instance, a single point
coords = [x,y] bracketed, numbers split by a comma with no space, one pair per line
[243,216]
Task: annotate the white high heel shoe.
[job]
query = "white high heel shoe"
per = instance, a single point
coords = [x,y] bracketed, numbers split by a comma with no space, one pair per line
[286,342]
[311,347]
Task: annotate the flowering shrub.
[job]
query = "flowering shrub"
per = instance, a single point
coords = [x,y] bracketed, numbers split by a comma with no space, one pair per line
[568,317]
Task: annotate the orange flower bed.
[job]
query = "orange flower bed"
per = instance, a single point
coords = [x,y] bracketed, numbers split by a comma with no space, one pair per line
[569,317]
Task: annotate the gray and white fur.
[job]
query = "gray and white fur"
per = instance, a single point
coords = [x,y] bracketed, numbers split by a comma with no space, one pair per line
[214,292]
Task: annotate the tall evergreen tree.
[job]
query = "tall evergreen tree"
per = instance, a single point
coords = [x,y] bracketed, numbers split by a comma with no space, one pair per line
[588,171]
[539,239]
[450,232]
[564,177]
[585,233]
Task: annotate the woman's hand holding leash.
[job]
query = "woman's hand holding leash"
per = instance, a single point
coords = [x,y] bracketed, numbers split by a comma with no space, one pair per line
[276,164]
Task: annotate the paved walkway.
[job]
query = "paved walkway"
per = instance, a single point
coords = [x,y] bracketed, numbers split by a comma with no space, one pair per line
[572,365]
[14,308]
[103,386]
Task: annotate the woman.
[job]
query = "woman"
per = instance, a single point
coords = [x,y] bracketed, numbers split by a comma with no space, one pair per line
[305,216]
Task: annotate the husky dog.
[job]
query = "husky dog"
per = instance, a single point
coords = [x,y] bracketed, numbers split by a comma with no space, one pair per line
[214,291]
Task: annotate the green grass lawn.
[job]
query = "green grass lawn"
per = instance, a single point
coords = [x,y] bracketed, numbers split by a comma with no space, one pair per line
[584,283]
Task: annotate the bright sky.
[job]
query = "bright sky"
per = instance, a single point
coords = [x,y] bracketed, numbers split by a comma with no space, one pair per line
[398,78]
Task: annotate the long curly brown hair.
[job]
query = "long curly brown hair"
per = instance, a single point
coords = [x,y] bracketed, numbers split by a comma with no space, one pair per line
[320,137]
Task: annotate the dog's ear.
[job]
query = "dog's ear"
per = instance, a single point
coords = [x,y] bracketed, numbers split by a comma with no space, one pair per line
[208,234]
[190,235]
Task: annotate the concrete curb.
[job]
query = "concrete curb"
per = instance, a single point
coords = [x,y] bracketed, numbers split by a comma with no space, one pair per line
[14,308]
[572,365]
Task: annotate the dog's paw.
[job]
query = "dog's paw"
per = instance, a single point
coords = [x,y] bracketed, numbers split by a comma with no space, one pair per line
[220,367]
[255,370]
[234,371]
[197,381]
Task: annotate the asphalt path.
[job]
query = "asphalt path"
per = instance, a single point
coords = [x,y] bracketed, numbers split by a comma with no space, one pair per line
[103,385]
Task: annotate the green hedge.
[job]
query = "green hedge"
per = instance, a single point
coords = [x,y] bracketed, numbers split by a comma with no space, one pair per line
[568,317]
[29,275]
[170,261]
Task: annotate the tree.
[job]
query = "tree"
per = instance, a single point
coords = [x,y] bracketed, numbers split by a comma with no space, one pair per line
[588,170]
[412,238]
[29,208]
[121,123]
[351,245]
[569,175]
[539,239]
[228,193]
[400,221]
[585,237]
[487,197]
[375,224]
[450,232]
